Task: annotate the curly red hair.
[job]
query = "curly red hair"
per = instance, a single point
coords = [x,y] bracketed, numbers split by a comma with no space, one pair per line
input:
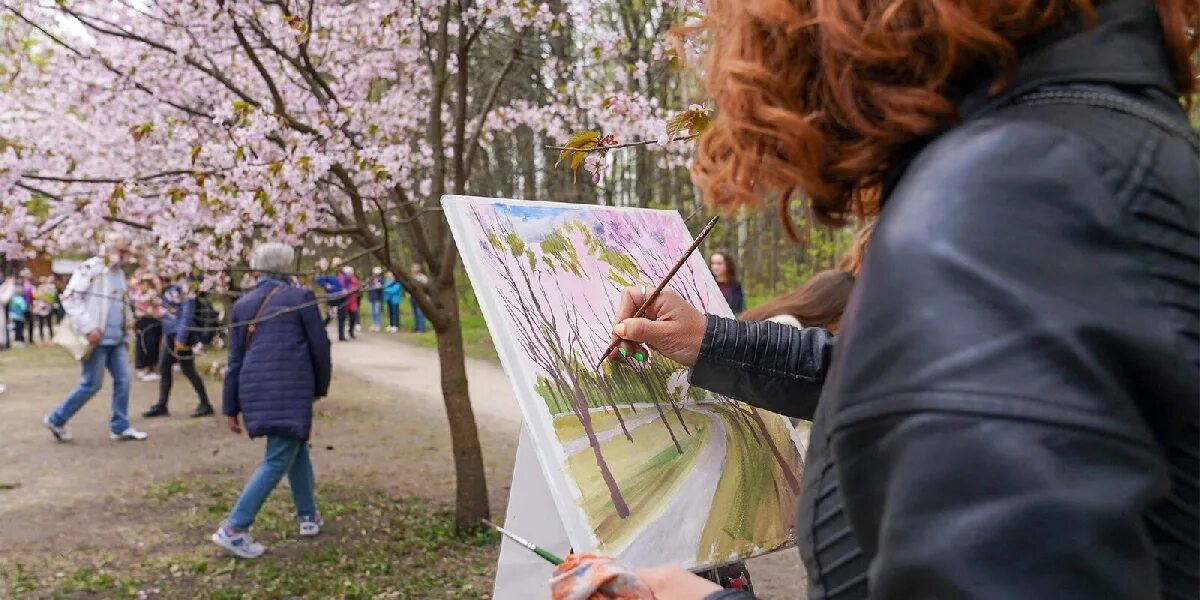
[818,96]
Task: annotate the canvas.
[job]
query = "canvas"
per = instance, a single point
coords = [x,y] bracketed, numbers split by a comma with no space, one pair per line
[642,466]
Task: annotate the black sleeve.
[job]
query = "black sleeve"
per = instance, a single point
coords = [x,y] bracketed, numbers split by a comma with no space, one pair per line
[318,345]
[738,299]
[770,365]
[987,438]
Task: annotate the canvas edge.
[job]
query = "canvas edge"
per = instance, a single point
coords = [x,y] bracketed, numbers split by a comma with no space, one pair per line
[576,525]
[569,514]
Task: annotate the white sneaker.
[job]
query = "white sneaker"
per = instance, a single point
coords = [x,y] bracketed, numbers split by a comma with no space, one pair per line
[2,388]
[311,525]
[238,543]
[129,435]
[60,433]
[151,377]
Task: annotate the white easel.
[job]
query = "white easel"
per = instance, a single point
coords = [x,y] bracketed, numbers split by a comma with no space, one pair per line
[521,574]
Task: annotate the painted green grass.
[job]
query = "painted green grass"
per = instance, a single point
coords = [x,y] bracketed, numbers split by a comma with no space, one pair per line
[750,503]
[643,482]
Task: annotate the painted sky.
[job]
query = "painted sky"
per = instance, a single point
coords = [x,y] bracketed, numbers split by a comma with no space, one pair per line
[648,241]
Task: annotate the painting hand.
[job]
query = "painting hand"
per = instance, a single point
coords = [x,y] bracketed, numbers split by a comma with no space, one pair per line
[673,583]
[670,326]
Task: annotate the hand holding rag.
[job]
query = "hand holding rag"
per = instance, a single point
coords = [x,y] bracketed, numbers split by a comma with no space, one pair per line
[590,577]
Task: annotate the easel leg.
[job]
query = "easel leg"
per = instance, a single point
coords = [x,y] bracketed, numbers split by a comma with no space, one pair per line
[520,574]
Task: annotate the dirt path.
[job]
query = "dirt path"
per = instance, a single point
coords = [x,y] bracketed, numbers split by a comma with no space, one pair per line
[383,427]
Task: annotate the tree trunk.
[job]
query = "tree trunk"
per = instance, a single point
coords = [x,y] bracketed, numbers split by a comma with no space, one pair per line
[471,494]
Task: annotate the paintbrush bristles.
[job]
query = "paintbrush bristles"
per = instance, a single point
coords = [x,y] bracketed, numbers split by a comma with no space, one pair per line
[510,535]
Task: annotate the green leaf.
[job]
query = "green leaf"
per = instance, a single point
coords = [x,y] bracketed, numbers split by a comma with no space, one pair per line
[516,245]
[140,131]
[195,152]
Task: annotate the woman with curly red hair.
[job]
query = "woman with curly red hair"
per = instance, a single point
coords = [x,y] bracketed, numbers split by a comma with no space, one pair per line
[1011,408]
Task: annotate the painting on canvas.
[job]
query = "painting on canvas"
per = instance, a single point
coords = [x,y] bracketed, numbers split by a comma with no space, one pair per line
[642,466]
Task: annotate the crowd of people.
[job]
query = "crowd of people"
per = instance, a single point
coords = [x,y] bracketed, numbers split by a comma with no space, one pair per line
[278,363]
[343,293]
[30,308]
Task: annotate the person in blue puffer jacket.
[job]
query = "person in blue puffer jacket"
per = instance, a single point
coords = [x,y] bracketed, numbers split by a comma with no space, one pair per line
[279,365]
[179,308]
[393,292]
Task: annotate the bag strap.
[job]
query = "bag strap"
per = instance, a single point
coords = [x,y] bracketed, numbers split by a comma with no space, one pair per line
[257,315]
[1114,102]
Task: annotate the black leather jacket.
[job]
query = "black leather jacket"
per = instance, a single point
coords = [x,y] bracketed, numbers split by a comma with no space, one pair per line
[1011,410]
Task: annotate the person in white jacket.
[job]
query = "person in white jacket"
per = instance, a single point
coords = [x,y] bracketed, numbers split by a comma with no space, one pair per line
[96,299]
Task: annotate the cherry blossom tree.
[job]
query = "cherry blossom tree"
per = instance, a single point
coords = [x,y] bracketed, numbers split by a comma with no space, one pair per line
[202,126]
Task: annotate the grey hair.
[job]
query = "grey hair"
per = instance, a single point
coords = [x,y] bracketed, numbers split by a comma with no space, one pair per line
[272,257]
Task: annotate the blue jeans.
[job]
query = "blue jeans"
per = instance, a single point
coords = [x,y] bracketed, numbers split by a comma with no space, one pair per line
[393,309]
[285,455]
[113,358]
[418,318]
[376,312]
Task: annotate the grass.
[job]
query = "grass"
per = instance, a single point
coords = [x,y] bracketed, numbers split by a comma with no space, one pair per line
[749,482]
[643,482]
[374,546]
[477,341]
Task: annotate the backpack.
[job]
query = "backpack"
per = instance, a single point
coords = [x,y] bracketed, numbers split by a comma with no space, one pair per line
[206,318]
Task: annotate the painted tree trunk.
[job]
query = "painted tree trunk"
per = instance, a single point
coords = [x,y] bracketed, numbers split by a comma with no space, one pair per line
[585,419]
[788,476]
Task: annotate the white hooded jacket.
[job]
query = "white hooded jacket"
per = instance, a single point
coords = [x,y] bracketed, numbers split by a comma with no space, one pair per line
[87,296]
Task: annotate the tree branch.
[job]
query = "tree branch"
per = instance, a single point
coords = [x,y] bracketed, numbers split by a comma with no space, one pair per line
[489,101]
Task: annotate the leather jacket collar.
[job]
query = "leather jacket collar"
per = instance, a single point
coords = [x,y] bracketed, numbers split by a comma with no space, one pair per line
[1122,46]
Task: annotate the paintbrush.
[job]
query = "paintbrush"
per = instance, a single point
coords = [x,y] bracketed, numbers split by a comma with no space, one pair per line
[550,558]
[641,311]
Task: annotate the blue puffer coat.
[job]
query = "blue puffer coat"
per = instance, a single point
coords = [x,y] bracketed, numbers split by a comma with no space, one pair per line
[274,383]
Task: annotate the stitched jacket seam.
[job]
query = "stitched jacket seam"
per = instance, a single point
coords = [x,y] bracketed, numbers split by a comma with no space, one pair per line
[756,369]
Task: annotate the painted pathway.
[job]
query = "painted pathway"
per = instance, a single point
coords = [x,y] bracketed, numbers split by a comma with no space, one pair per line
[683,518]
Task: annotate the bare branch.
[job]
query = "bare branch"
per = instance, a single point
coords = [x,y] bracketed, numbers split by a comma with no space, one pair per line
[626,145]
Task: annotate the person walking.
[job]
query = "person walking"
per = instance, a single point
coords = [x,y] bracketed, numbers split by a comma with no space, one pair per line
[59,312]
[335,299]
[27,285]
[148,331]
[279,365]
[418,317]
[43,307]
[179,309]
[724,270]
[95,299]
[348,315]
[8,289]
[375,298]
[393,292]
[17,309]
